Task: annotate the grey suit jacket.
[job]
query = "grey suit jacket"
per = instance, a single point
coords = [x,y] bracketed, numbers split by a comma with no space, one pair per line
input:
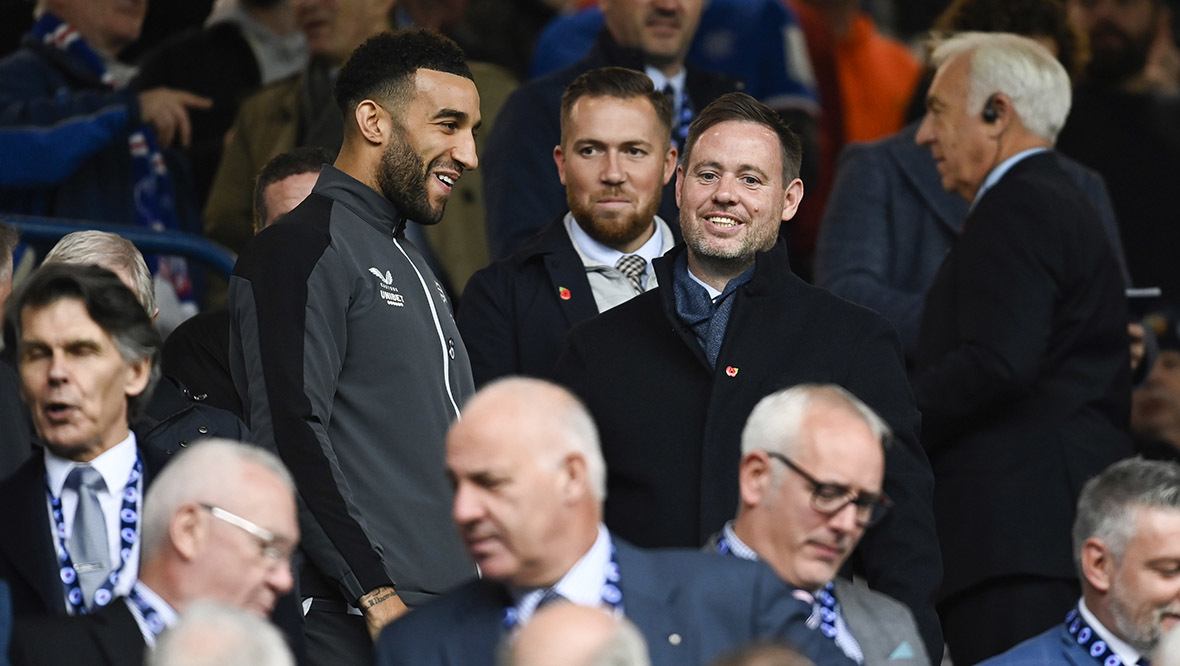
[889,223]
[883,626]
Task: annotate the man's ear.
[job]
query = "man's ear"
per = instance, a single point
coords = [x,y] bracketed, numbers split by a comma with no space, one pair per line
[755,477]
[559,160]
[575,478]
[372,122]
[1003,113]
[679,184]
[139,372]
[1097,564]
[670,163]
[187,531]
[792,197]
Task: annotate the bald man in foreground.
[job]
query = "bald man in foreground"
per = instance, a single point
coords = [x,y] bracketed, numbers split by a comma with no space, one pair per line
[529,481]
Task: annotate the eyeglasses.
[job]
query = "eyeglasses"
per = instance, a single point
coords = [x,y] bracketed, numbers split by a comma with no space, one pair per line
[831,498]
[271,545]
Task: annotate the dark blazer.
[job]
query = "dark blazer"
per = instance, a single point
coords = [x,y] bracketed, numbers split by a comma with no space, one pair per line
[520,179]
[1023,376]
[196,354]
[29,563]
[690,607]
[671,425]
[110,637]
[512,316]
[889,224]
[1052,648]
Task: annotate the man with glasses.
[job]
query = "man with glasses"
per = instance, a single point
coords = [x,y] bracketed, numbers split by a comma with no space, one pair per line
[219,524]
[529,481]
[813,462]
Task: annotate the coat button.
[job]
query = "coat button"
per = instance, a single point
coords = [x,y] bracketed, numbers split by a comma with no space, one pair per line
[204,430]
[674,639]
[183,444]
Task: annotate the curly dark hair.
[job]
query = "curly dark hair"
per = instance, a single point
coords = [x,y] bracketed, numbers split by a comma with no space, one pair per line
[383,66]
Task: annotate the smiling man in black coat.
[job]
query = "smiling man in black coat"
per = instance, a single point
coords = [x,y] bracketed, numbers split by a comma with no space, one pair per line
[671,375]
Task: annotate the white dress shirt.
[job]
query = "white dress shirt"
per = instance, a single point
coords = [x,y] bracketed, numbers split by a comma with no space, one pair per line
[1128,654]
[167,614]
[608,284]
[114,465]
[581,585]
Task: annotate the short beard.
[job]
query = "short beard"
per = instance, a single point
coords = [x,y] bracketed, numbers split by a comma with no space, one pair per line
[402,179]
[1142,638]
[615,232]
[732,263]
[1113,67]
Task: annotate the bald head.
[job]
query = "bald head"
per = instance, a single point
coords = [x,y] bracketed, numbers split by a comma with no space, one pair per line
[528,477]
[571,635]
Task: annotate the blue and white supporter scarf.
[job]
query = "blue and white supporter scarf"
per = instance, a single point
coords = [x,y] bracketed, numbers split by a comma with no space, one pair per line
[155,200]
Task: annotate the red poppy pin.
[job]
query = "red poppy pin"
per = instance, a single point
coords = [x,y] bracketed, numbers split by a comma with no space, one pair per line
[731,371]
[564,293]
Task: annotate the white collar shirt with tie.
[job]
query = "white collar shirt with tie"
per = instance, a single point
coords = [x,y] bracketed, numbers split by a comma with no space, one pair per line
[115,466]
[608,284]
[844,638]
[581,585]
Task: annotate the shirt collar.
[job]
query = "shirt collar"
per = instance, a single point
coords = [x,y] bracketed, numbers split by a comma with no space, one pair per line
[660,80]
[114,465]
[167,613]
[736,545]
[582,584]
[1002,168]
[594,253]
[1128,654]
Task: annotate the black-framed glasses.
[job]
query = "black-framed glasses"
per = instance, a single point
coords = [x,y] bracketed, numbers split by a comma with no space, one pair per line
[269,543]
[830,498]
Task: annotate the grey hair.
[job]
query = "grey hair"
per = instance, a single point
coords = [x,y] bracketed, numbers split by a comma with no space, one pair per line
[571,416]
[1019,67]
[1108,502]
[1168,651]
[211,634]
[203,470]
[777,420]
[112,252]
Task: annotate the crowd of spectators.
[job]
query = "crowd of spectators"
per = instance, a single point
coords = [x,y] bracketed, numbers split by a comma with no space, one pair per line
[591,332]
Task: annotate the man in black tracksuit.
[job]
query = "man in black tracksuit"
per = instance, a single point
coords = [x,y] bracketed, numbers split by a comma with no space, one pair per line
[345,354]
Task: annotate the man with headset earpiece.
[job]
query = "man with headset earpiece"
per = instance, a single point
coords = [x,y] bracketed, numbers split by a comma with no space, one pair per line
[1022,369]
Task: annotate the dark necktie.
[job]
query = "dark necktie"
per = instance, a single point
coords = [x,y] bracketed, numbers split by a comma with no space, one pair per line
[632,265]
[682,115]
[88,536]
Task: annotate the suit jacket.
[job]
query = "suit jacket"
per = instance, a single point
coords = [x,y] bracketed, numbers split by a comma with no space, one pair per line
[29,563]
[889,224]
[1023,376]
[690,607]
[521,186]
[1055,646]
[512,317]
[883,626]
[110,637]
[671,425]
